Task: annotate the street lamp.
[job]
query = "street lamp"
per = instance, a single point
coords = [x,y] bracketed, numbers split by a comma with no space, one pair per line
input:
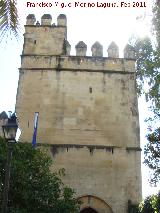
[9,131]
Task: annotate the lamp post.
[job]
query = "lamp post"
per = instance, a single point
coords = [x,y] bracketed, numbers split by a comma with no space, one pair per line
[9,131]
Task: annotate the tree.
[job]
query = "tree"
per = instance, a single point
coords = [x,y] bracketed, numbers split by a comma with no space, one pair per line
[148,63]
[148,83]
[146,205]
[148,73]
[33,187]
[152,154]
[156,21]
[151,204]
[9,20]
[152,148]
[156,33]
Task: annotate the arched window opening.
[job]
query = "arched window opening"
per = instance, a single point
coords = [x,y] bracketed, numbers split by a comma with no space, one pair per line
[88,210]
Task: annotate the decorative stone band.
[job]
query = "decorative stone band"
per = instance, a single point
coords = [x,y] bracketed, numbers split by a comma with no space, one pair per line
[91,148]
[77,63]
[133,149]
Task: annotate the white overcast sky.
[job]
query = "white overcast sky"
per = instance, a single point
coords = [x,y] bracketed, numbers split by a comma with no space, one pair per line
[87,24]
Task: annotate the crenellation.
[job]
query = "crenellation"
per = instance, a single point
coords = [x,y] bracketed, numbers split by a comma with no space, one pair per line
[61,20]
[31,19]
[97,49]
[81,49]
[129,52]
[60,30]
[113,50]
[46,19]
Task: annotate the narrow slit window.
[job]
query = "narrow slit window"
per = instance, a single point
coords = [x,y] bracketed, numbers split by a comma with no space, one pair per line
[90,89]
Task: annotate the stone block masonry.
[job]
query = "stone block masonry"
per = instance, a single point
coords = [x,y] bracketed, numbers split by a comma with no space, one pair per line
[88,113]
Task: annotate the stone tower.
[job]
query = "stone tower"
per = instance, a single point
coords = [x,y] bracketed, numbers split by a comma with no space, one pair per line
[88,114]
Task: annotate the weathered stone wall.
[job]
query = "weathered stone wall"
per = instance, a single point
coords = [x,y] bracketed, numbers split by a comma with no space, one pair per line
[88,114]
[111,174]
[77,105]
[37,40]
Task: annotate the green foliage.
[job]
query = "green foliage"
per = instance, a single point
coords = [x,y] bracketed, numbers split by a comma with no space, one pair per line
[152,154]
[146,206]
[148,83]
[148,64]
[9,20]
[156,202]
[144,68]
[156,21]
[148,73]
[151,204]
[33,188]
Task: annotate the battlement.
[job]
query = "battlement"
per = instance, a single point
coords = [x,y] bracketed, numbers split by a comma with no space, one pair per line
[46,20]
[51,39]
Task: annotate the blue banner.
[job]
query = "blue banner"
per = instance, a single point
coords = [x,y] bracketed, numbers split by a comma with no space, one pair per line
[35,129]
